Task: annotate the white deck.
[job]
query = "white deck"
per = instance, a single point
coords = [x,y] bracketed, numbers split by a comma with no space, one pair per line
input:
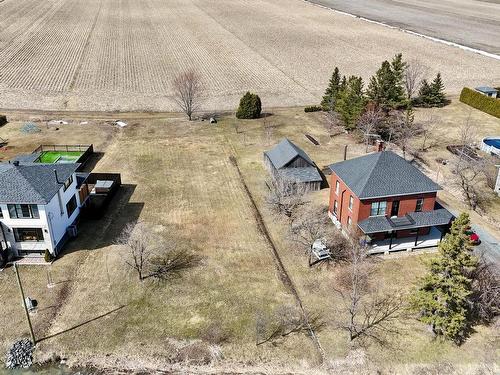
[408,243]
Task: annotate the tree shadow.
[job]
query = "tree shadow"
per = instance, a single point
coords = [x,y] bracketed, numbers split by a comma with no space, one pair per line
[81,324]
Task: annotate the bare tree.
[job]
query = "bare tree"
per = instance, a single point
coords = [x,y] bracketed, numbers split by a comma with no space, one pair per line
[486,292]
[286,196]
[468,134]
[414,74]
[153,256]
[404,129]
[188,92]
[334,124]
[286,320]
[141,245]
[369,315]
[369,122]
[268,131]
[467,173]
[312,223]
[428,125]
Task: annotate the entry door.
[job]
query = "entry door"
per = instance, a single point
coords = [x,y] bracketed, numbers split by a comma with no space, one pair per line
[395,208]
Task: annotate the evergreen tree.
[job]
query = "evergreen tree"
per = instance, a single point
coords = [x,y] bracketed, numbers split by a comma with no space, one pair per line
[443,297]
[332,91]
[250,107]
[351,102]
[386,87]
[437,91]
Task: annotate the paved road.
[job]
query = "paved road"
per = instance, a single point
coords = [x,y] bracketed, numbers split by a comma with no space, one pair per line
[473,23]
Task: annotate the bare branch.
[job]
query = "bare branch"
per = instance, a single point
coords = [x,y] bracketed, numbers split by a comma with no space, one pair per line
[188,91]
[286,196]
[414,74]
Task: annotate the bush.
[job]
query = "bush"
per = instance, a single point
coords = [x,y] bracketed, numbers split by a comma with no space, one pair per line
[250,107]
[3,120]
[480,101]
[313,108]
[47,256]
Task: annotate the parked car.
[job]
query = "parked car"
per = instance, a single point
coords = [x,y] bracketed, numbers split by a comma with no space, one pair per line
[473,236]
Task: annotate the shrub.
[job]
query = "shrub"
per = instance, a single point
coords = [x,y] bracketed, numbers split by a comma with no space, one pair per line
[47,256]
[313,108]
[480,101]
[3,120]
[250,106]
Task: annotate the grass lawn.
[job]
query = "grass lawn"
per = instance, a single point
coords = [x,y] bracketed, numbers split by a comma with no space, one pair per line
[51,157]
[177,176]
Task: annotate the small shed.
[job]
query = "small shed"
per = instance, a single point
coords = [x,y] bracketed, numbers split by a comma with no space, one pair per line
[288,161]
[488,91]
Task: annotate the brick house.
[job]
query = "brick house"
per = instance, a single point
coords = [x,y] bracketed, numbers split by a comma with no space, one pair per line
[387,201]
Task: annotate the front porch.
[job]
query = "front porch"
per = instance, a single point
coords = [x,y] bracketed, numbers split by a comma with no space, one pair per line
[406,243]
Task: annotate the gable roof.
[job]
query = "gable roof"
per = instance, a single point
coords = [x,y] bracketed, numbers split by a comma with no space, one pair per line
[32,183]
[284,152]
[382,174]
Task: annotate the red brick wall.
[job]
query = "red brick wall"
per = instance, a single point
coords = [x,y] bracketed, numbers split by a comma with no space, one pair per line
[361,209]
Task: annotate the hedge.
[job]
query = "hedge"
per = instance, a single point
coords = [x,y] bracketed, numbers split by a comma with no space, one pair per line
[479,101]
[313,108]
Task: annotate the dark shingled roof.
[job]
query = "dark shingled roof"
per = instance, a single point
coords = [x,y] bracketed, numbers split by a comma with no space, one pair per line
[304,174]
[32,183]
[284,152]
[382,174]
[413,220]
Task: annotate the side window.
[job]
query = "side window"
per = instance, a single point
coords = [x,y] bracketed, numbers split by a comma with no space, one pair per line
[420,204]
[349,221]
[71,205]
[335,207]
[68,183]
[351,202]
[337,187]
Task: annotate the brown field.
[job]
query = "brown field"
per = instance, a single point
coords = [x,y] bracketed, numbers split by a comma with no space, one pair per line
[123,55]
[177,176]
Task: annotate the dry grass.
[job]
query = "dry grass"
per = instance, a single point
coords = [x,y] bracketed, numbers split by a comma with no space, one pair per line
[105,55]
[178,177]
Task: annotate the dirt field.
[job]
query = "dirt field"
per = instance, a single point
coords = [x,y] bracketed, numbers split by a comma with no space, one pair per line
[123,55]
[478,20]
[177,176]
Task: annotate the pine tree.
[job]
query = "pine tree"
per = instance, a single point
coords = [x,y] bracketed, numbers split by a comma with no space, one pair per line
[424,94]
[386,87]
[437,91]
[332,91]
[351,102]
[443,297]
[250,107]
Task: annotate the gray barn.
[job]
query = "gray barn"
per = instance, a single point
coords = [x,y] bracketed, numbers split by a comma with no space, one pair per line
[288,161]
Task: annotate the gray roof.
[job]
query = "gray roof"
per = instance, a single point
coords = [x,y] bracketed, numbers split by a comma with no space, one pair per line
[26,158]
[413,220]
[32,183]
[304,174]
[285,152]
[486,89]
[382,174]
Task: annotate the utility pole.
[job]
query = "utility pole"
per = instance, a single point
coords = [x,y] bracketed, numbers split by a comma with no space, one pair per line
[24,304]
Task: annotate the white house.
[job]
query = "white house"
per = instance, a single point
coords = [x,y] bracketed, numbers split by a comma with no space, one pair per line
[38,202]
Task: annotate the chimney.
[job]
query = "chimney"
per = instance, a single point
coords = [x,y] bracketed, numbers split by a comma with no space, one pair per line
[16,163]
[57,178]
[379,145]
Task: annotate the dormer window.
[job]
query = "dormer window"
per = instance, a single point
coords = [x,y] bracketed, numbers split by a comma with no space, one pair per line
[419,205]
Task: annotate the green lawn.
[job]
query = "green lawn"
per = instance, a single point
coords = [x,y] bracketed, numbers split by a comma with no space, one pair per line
[51,157]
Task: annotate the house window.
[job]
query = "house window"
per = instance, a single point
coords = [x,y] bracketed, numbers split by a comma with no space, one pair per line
[68,183]
[23,211]
[337,187]
[351,202]
[335,207]
[420,203]
[28,234]
[71,205]
[349,221]
[378,208]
